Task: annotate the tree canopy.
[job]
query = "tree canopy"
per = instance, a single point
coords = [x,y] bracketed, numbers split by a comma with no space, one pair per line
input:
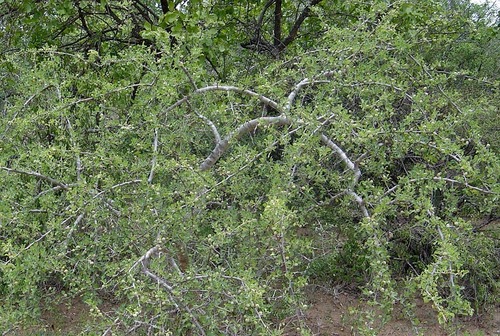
[199,162]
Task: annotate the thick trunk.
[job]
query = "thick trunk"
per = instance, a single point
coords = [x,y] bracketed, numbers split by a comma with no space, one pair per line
[277,23]
[164,6]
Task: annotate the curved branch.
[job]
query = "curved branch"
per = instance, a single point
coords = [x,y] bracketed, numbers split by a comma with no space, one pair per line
[211,125]
[277,23]
[294,92]
[269,102]
[222,145]
[355,169]
[209,122]
[260,20]
[145,260]
[304,82]
[145,11]
[245,128]
[343,156]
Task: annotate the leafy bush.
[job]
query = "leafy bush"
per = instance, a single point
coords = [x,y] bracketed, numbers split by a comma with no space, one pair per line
[200,178]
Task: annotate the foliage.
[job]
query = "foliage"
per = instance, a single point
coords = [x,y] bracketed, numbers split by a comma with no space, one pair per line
[198,163]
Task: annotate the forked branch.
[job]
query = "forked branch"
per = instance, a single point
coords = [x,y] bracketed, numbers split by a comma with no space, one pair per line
[145,261]
[223,144]
[245,128]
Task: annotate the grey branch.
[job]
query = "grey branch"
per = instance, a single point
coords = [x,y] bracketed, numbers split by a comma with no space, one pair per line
[208,121]
[145,261]
[361,203]
[228,88]
[343,156]
[36,174]
[153,160]
[212,127]
[355,169]
[245,128]
[304,82]
[73,228]
[73,143]
[223,144]
[295,91]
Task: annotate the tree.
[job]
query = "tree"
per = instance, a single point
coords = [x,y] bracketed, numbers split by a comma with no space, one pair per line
[149,154]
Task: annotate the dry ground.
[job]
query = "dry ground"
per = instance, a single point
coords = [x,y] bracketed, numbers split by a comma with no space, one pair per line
[327,314]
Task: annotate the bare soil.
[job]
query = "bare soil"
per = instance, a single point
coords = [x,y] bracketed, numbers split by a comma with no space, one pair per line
[329,313]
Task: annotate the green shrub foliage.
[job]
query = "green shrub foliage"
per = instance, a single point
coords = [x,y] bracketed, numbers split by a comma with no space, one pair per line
[198,163]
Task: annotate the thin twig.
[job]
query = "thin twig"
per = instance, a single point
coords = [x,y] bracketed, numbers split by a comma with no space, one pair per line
[31,244]
[117,186]
[56,188]
[26,103]
[189,76]
[73,143]
[212,126]
[145,261]
[83,100]
[485,191]
[36,174]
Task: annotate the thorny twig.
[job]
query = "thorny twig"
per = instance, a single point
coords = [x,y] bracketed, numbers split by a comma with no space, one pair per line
[145,261]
